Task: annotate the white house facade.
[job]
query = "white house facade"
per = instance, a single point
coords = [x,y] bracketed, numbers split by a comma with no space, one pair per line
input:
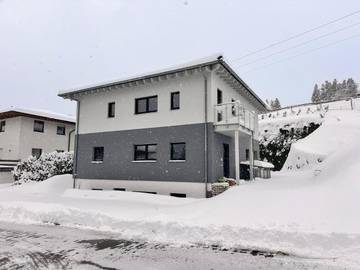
[171,132]
[26,132]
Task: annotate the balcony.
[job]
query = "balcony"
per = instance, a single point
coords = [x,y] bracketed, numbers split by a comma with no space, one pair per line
[233,116]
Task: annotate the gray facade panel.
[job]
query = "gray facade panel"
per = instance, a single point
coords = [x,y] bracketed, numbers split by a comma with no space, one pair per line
[119,154]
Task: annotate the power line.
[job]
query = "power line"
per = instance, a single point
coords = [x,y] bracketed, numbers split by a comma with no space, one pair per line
[298,45]
[303,53]
[297,35]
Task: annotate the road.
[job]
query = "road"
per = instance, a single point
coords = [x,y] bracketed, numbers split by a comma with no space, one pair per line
[56,247]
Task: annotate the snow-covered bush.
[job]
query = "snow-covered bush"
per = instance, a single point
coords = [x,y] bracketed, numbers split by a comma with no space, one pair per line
[44,167]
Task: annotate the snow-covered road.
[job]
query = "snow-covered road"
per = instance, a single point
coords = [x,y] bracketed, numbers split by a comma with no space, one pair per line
[56,247]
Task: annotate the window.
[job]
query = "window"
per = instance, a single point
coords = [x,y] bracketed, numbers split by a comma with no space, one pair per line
[146,104]
[219,97]
[177,151]
[111,109]
[38,126]
[36,152]
[2,126]
[233,108]
[175,100]
[98,154]
[119,189]
[145,152]
[179,195]
[60,130]
[247,154]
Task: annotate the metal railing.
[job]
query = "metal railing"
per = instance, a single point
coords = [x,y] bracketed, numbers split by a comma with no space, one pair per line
[233,113]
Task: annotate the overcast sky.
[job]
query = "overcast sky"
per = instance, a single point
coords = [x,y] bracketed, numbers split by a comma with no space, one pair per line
[47,46]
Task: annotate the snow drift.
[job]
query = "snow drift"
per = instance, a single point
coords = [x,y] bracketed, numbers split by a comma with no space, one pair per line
[309,212]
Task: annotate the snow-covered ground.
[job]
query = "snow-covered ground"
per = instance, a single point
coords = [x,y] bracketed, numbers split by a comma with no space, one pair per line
[312,212]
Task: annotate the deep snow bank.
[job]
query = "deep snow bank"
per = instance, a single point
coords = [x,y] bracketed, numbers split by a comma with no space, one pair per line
[339,130]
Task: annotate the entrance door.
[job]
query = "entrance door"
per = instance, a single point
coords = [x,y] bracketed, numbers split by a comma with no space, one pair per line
[226,160]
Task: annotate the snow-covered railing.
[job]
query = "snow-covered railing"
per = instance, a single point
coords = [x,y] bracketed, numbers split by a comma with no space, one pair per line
[233,113]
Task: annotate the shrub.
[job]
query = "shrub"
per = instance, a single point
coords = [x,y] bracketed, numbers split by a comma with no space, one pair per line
[44,167]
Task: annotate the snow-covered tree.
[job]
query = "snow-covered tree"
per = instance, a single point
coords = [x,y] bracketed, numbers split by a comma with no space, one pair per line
[316,94]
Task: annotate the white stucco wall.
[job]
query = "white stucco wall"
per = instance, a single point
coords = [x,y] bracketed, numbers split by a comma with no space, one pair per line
[48,141]
[10,139]
[93,108]
[19,138]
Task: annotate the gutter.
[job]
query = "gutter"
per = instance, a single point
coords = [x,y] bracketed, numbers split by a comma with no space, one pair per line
[76,142]
[69,139]
[206,175]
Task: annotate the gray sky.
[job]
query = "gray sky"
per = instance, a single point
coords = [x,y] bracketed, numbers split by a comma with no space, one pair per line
[47,46]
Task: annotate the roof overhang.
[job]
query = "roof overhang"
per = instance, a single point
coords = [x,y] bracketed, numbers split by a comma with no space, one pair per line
[13,113]
[190,69]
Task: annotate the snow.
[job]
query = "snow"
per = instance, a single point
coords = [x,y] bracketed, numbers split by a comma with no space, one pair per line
[312,212]
[42,113]
[259,163]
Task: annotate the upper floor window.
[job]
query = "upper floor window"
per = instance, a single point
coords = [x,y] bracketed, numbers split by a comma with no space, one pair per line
[145,152]
[219,96]
[60,130]
[111,109]
[2,126]
[36,152]
[146,104]
[177,151]
[98,153]
[175,100]
[39,126]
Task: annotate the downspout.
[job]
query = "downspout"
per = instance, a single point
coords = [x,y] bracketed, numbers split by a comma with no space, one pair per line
[69,139]
[76,142]
[206,175]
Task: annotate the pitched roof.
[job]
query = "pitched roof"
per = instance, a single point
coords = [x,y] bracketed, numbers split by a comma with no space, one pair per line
[202,62]
[43,114]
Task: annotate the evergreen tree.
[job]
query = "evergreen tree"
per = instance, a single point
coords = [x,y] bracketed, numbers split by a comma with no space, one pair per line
[316,94]
[351,87]
[277,104]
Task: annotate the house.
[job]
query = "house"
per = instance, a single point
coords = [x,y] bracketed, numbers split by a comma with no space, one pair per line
[170,132]
[25,132]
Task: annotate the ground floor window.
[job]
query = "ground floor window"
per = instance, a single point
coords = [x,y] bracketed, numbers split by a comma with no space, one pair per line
[98,154]
[36,152]
[145,152]
[179,195]
[178,151]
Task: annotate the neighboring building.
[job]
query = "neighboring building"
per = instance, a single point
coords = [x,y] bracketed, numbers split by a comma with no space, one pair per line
[171,132]
[26,132]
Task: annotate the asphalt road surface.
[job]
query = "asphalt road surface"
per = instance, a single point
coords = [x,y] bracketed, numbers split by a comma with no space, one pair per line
[56,247]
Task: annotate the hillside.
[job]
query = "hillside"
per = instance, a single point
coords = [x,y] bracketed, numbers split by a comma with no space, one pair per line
[281,128]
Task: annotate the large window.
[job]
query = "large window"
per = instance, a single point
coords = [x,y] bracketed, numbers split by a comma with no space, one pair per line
[177,151]
[111,109]
[98,154]
[175,100]
[146,104]
[39,126]
[36,152]
[145,152]
[60,130]
[2,126]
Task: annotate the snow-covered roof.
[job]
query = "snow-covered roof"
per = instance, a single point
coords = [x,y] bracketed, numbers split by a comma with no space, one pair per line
[202,62]
[259,163]
[39,113]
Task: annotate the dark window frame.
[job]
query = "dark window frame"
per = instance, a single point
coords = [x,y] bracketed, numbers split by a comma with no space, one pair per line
[36,155]
[147,109]
[172,157]
[95,158]
[2,125]
[146,152]
[39,130]
[172,95]
[60,133]
[219,96]
[111,110]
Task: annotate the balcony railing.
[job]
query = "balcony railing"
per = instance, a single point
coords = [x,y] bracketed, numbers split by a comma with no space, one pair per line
[233,113]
